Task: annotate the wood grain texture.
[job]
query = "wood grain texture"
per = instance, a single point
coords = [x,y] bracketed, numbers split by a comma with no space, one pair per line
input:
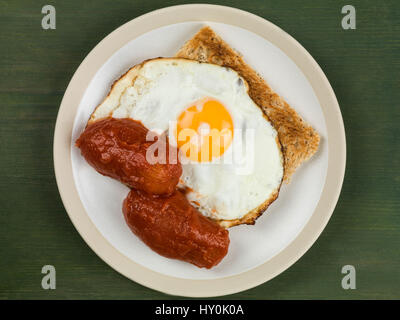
[363,66]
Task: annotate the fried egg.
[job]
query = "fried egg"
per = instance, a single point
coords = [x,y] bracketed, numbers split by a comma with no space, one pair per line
[231,156]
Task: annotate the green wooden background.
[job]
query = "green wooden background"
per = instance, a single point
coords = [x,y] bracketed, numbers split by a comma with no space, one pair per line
[362,66]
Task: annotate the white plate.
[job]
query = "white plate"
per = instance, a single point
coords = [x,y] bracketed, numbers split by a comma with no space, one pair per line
[289,70]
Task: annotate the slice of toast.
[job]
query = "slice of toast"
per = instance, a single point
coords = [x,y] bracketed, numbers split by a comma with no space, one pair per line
[298,139]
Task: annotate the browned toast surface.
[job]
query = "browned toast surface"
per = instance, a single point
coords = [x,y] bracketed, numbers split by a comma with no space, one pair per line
[299,140]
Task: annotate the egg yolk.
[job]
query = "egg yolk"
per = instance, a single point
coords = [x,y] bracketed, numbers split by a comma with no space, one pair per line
[204,130]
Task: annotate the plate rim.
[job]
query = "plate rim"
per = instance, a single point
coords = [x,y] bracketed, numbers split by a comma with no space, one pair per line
[336,150]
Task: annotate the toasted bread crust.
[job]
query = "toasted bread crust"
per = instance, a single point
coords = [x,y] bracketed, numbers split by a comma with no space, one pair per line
[298,139]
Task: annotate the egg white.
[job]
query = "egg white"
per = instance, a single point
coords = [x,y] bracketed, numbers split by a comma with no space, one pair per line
[156,93]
